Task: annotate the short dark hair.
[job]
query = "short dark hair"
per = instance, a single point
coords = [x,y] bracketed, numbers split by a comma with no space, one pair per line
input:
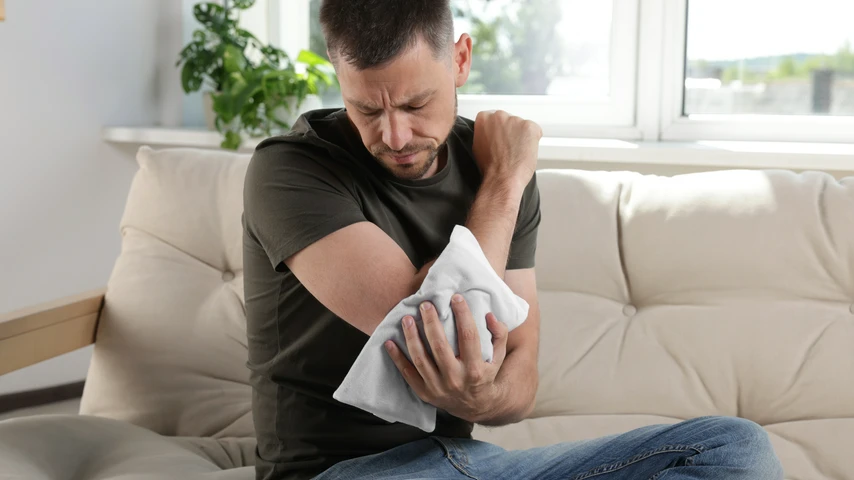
[370,33]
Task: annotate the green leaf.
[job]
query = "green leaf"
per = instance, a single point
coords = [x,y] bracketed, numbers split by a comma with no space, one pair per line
[233,59]
[231,141]
[246,34]
[222,106]
[191,78]
[243,4]
[212,16]
[277,86]
[310,58]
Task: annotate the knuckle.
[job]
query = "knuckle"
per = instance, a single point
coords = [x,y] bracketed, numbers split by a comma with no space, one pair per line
[474,374]
[468,334]
[455,386]
[418,361]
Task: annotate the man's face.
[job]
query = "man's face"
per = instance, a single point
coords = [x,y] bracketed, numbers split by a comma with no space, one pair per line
[404,111]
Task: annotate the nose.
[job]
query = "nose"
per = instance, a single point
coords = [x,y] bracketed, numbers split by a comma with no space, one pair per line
[396,131]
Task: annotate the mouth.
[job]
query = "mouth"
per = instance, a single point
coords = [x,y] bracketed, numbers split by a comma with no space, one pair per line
[404,159]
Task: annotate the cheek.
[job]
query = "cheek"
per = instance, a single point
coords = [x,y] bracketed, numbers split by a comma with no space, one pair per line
[369,131]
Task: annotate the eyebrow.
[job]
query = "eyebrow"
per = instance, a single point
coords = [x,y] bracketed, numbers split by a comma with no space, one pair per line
[418,98]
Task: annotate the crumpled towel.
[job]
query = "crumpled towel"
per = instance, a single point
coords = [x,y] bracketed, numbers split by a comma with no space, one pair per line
[376,385]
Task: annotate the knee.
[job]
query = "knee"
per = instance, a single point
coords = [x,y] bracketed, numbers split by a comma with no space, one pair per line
[748,447]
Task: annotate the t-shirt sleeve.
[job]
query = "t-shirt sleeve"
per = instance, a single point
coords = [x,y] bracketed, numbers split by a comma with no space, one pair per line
[523,248]
[292,199]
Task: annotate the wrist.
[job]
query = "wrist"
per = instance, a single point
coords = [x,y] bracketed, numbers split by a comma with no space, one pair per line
[490,402]
[506,186]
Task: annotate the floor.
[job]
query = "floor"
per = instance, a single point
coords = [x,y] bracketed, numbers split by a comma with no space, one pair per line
[68,407]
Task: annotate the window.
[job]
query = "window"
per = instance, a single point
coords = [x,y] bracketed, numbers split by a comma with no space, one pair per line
[568,64]
[550,60]
[646,69]
[317,44]
[745,71]
[802,62]
[559,48]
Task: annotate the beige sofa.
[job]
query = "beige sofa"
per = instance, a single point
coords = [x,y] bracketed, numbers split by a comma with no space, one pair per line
[727,293]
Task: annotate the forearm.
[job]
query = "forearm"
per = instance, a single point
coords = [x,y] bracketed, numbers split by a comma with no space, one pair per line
[515,390]
[492,220]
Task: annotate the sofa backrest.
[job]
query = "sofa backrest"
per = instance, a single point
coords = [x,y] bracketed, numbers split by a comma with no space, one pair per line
[170,353]
[725,293]
[716,293]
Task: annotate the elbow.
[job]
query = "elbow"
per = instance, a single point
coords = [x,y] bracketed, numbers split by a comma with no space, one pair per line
[528,410]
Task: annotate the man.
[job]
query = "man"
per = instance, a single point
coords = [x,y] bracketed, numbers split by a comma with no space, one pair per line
[343,217]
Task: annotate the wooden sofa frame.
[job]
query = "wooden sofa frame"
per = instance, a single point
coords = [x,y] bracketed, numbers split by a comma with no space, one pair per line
[32,335]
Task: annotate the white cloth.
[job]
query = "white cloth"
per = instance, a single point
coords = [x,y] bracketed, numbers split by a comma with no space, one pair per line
[374,384]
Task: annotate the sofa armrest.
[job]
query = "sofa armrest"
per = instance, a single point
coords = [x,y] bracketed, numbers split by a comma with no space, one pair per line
[34,334]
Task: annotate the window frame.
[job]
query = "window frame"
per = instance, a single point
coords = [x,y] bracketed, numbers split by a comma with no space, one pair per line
[737,127]
[565,117]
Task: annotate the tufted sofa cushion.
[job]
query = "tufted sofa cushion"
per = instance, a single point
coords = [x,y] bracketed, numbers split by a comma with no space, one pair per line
[728,293]
[170,355]
[65,447]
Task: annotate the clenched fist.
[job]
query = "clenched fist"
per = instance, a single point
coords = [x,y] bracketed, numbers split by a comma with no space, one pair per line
[506,147]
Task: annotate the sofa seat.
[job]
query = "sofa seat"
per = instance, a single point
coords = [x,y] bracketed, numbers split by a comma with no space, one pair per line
[60,447]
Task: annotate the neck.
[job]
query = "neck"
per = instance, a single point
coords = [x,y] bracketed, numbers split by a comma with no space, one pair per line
[439,164]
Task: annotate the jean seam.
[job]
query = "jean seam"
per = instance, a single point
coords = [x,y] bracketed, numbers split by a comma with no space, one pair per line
[457,449]
[689,462]
[603,469]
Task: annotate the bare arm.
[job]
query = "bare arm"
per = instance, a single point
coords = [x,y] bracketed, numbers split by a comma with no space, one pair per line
[517,380]
[492,220]
[360,273]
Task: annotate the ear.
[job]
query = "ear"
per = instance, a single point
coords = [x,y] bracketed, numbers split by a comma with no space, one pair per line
[462,60]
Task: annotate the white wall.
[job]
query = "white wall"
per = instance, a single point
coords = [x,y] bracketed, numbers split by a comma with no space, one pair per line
[66,70]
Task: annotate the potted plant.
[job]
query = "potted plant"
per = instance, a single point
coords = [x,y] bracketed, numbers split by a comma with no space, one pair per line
[253,89]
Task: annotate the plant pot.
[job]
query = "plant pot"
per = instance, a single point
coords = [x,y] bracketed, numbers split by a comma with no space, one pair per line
[310,102]
[207,106]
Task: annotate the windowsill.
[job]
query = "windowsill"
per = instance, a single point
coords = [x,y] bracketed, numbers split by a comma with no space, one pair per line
[719,154]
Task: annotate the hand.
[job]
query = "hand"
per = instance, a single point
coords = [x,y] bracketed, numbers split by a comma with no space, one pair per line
[464,386]
[506,147]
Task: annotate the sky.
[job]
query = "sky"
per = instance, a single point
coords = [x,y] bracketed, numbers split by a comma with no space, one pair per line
[724,29]
[732,29]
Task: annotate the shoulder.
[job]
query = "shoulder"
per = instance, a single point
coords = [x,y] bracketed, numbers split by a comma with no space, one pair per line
[464,129]
[463,137]
[281,156]
[305,148]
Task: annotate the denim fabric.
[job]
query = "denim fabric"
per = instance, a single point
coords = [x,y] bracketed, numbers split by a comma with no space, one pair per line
[707,448]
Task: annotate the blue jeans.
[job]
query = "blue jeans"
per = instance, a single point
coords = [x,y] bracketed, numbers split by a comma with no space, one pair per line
[708,448]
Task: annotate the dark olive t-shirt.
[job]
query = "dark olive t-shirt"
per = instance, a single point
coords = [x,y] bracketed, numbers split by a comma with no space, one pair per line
[299,188]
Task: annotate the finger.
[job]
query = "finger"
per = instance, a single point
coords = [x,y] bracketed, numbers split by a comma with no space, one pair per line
[443,355]
[418,354]
[499,339]
[467,336]
[410,374]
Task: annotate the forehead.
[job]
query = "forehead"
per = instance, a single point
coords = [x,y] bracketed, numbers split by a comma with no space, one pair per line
[414,71]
